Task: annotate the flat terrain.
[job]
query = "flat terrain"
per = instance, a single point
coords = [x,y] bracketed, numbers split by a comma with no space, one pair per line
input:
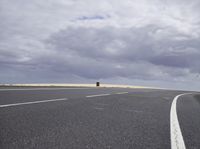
[95,118]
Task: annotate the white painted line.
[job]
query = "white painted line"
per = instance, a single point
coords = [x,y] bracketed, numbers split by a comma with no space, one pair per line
[90,96]
[24,89]
[122,93]
[34,102]
[177,141]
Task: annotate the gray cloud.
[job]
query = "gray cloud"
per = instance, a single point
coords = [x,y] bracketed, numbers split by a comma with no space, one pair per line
[111,41]
[127,45]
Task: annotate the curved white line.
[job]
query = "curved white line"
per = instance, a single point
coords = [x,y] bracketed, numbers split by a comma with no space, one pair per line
[177,141]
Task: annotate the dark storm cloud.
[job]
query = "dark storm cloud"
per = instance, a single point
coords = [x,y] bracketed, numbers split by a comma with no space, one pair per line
[111,52]
[127,45]
[105,43]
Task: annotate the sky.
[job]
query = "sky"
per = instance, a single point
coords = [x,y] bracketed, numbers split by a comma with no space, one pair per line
[133,42]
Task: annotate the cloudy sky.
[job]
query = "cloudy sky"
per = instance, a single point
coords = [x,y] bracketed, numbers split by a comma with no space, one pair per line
[135,42]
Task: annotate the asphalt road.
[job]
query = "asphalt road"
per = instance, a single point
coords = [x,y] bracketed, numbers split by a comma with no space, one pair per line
[95,118]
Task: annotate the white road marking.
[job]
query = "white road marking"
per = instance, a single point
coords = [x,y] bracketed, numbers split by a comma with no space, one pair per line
[23,89]
[33,102]
[122,93]
[177,141]
[90,96]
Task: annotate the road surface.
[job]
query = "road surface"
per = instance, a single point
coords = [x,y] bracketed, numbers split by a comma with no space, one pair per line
[98,118]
